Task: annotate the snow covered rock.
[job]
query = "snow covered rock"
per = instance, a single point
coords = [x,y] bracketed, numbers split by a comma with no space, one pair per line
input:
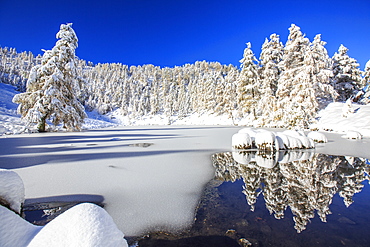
[307,142]
[283,141]
[265,140]
[295,143]
[11,190]
[351,134]
[317,137]
[271,141]
[252,132]
[14,230]
[293,133]
[83,225]
[241,141]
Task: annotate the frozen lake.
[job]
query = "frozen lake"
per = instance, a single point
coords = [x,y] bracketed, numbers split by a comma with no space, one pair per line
[148,178]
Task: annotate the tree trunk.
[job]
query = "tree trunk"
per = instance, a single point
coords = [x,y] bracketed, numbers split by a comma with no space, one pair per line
[42,124]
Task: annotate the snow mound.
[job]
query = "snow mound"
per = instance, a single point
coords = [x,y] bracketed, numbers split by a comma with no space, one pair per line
[241,141]
[353,135]
[317,137]
[83,225]
[271,141]
[14,230]
[331,118]
[11,190]
[265,140]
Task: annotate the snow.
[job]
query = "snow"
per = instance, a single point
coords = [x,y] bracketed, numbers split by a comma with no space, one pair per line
[10,122]
[352,135]
[265,140]
[11,189]
[146,187]
[331,119]
[83,225]
[317,137]
[14,230]
[241,141]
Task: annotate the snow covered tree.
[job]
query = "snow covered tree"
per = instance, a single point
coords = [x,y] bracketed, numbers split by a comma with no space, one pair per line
[51,86]
[247,83]
[288,110]
[320,69]
[304,83]
[347,75]
[269,72]
[366,83]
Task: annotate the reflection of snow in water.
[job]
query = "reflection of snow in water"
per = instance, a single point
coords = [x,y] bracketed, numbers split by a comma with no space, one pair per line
[304,181]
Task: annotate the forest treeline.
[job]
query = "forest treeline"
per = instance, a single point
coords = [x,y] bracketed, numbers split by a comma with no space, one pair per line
[285,87]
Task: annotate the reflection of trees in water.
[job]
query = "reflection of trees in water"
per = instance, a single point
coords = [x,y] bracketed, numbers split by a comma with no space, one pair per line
[303,181]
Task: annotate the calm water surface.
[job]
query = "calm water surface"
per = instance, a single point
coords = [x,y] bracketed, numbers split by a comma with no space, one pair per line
[280,199]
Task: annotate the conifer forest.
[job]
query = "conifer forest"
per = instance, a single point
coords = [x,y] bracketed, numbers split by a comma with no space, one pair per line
[285,87]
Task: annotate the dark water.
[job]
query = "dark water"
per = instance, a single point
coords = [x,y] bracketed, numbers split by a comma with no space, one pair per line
[280,199]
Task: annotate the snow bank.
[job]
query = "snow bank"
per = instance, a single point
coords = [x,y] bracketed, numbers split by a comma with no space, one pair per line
[83,225]
[11,190]
[14,230]
[241,141]
[317,137]
[353,135]
[271,141]
[331,118]
[265,140]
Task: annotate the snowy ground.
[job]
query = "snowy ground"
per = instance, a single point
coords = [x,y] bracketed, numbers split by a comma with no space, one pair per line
[331,118]
[151,177]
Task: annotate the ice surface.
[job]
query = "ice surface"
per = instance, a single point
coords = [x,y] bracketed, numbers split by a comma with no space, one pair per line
[157,187]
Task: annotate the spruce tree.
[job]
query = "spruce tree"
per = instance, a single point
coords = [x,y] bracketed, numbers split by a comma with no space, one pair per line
[305,80]
[347,75]
[269,72]
[51,86]
[291,63]
[247,84]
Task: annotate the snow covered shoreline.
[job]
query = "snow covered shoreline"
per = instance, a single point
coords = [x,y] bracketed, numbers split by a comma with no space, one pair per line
[145,188]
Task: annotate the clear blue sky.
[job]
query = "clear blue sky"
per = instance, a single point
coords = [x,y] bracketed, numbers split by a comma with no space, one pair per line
[175,32]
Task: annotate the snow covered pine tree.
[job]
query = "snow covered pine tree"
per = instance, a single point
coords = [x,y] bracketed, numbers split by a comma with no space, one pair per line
[51,87]
[347,75]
